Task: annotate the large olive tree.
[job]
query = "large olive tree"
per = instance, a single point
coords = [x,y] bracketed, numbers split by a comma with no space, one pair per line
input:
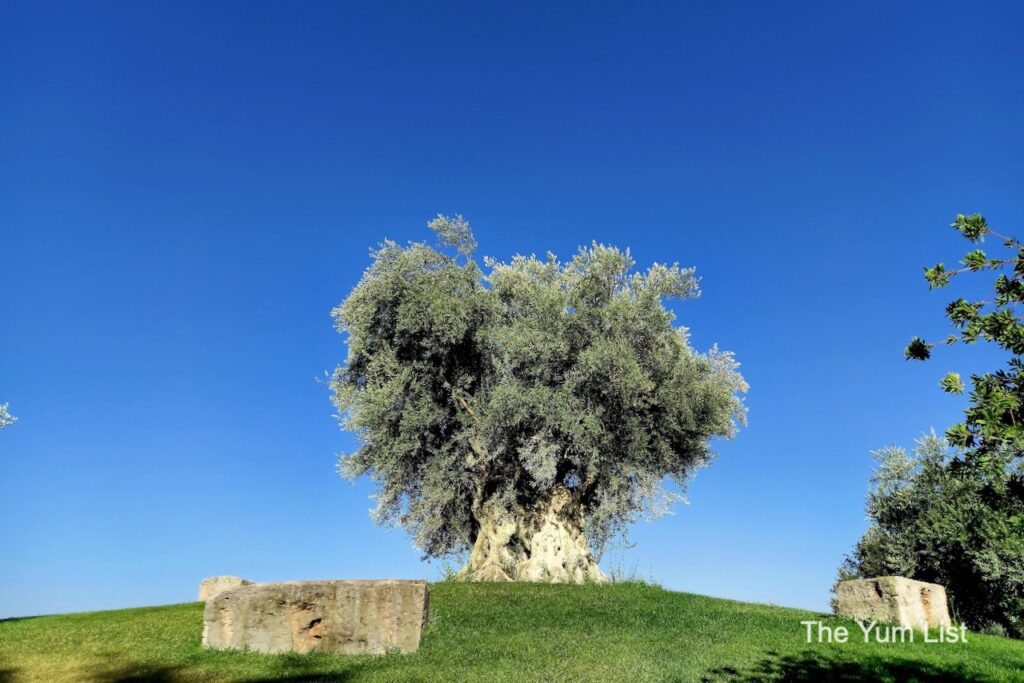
[524,411]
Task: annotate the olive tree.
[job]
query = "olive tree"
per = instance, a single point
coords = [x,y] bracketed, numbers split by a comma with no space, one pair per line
[953,511]
[525,411]
[935,517]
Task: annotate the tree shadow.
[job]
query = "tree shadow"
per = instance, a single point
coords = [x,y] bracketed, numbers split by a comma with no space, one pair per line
[134,673]
[812,667]
[8,675]
[339,677]
[145,673]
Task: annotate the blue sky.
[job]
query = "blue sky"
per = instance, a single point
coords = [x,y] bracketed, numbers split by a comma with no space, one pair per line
[187,189]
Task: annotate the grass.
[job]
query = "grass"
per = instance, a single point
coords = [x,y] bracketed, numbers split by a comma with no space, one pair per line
[509,632]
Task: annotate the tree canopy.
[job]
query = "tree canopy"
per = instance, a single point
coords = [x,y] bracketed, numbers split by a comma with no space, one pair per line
[953,511]
[993,423]
[934,518]
[508,383]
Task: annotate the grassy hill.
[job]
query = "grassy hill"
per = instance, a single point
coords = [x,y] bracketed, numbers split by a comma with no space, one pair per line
[509,632]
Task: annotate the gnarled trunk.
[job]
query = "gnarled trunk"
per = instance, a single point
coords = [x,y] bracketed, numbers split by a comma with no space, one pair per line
[544,543]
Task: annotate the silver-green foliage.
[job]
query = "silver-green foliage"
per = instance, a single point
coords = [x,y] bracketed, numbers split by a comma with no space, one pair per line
[935,518]
[6,419]
[470,384]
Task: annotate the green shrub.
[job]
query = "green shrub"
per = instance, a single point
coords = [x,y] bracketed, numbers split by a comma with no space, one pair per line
[936,517]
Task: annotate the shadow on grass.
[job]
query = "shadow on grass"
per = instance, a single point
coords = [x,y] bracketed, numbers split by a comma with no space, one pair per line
[306,678]
[144,673]
[812,667]
[134,673]
[8,675]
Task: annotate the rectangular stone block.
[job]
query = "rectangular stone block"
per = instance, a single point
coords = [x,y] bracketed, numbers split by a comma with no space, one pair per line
[349,617]
[894,600]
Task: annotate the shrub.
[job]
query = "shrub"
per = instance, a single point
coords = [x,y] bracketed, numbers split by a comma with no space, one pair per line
[935,517]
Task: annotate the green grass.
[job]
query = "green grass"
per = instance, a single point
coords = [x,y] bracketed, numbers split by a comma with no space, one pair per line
[509,632]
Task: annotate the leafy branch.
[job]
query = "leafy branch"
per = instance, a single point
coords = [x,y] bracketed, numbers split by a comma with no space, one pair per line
[993,419]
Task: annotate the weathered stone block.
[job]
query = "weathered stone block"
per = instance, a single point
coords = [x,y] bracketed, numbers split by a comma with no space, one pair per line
[894,600]
[215,585]
[349,617]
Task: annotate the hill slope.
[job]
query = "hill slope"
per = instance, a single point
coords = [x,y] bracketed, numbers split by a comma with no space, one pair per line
[509,632]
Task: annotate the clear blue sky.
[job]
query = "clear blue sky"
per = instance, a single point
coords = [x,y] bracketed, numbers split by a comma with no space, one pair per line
[186,189]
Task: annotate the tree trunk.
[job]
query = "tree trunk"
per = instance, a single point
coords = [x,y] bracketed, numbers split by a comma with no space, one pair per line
[545,543]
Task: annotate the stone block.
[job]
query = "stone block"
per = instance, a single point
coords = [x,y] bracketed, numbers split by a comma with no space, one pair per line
[894,600]
[348,617]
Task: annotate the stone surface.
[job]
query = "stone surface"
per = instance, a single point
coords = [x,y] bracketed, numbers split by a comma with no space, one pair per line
[349,617]
[894,600]
[215,585]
